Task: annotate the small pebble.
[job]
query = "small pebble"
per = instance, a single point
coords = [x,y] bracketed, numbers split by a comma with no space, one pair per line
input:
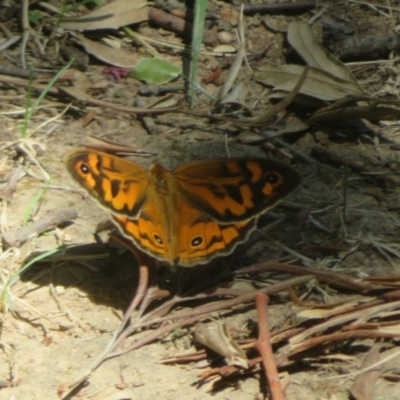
[225,37]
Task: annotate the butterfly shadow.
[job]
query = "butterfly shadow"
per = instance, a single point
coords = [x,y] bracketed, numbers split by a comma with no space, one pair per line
[109,276]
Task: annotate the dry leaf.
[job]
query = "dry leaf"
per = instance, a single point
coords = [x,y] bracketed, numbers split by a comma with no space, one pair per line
[306,45]
[118,58]
[319,84]
[214,336]
[237,97]
[372,113]
[89,117]
[111,16]
[363,386]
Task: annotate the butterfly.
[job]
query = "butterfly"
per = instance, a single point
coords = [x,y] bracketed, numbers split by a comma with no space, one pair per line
[187,216]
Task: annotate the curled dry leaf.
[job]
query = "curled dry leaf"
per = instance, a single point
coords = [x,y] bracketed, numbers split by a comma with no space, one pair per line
[215,336]
[237,97]
[328,80]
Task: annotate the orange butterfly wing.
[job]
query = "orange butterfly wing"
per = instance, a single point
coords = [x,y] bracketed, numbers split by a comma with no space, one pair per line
[188,216]
[123,188]
[199,238]
[218,203]
[235,189]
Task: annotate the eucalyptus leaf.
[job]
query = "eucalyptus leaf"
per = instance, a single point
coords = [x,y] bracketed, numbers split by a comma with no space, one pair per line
[319,84]
[302,39]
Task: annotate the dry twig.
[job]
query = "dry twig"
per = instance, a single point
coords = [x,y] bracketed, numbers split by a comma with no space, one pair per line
[17,237]
[264,347]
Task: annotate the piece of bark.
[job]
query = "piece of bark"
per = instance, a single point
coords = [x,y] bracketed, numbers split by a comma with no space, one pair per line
[17,237]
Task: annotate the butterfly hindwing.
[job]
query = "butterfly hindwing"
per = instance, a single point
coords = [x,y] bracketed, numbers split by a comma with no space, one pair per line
[146,235]
[199,238]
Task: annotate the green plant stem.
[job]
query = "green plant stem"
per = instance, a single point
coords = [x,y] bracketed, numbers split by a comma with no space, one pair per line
[197,40]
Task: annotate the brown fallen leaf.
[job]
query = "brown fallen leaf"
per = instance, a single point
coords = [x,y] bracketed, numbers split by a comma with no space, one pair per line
[363,386]
[116,57]
[302,40]
[214,335]
[89,117]
[318,84]
[371,113]
[111,16]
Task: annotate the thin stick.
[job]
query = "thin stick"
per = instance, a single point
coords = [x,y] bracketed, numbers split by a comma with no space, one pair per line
[17,237]
[263,345]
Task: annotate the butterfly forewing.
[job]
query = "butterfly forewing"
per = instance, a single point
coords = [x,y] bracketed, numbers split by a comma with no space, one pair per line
[236,189]
[118,185]
[123,188]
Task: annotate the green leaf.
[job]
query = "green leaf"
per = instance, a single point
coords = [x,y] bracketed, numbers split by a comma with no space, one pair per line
[154,71]
[34,16]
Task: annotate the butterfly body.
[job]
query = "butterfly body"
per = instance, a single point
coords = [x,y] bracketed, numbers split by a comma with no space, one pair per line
[189,215]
